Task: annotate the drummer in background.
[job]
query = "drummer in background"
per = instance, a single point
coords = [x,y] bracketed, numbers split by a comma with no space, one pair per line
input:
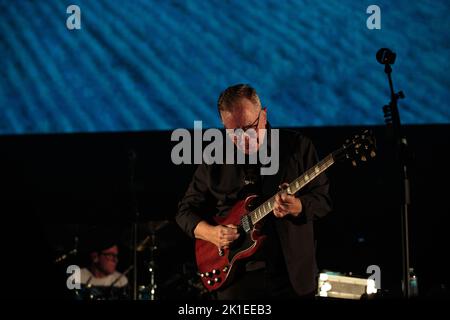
[103,256]
[102,271]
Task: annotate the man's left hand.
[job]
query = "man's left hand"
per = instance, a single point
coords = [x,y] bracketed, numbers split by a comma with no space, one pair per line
[286,204]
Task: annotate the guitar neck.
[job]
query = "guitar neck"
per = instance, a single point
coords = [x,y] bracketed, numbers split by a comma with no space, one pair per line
[310,174]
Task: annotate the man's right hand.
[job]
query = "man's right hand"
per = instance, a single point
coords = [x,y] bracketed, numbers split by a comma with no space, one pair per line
[221,236]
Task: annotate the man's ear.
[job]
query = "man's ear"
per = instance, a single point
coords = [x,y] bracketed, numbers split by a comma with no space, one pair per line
[265,113]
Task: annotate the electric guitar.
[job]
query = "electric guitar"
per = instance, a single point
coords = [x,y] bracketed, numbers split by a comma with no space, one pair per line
[216,266]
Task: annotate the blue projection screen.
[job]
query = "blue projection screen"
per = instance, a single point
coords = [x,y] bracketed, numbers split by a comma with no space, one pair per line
[160,65]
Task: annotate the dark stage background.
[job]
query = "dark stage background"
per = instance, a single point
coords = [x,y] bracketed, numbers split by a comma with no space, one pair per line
[55,186]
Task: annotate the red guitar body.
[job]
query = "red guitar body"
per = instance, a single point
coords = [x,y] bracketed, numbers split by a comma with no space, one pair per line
[216,267]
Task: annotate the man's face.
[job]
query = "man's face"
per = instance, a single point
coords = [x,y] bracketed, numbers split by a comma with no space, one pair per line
[249,117]
[106,260]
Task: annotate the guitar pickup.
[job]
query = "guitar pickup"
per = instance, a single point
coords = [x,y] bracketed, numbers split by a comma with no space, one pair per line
[246,223]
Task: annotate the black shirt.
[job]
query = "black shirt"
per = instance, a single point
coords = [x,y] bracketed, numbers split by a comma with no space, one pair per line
[215,188]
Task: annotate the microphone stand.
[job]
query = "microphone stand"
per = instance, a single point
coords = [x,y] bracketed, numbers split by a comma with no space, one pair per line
[134,206]
[392,118]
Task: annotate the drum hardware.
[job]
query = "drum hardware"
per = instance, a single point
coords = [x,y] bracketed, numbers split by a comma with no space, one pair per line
[150,242]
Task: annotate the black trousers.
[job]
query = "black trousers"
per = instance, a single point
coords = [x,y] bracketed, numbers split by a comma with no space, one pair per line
[260,285]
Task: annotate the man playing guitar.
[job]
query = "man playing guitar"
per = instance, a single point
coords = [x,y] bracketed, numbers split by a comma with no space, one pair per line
[284,265]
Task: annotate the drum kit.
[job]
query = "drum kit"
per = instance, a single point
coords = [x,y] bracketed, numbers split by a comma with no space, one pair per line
[163,273]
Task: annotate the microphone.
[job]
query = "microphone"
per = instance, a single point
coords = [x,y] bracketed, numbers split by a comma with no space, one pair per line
[386,56]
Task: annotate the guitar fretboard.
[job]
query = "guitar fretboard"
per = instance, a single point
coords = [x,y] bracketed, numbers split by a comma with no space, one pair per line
[310,174]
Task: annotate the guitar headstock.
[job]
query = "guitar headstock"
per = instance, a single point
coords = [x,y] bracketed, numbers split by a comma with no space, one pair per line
[359,148]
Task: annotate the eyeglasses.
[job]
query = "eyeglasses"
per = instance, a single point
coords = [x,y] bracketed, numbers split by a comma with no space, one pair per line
[254,125]
[110,255]
[236,132]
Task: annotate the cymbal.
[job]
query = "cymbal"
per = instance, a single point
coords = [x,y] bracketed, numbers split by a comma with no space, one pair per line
[149,236]
[155,226]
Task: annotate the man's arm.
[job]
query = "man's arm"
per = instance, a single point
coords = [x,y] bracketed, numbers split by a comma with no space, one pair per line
[194,202]
[219,235]
[192,208]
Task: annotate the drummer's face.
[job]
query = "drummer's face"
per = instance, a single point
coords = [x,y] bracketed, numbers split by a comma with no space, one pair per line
[107,260]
